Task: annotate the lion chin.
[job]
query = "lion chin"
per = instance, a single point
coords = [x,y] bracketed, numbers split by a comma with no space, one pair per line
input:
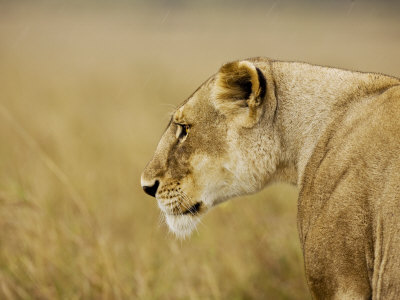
[182,226]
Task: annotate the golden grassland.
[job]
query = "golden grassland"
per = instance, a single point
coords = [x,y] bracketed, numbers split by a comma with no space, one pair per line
[85,93]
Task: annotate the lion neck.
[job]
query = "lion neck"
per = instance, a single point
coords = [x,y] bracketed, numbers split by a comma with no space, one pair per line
[308,98]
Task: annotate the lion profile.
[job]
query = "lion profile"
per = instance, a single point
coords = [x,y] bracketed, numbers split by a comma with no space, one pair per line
[334,133]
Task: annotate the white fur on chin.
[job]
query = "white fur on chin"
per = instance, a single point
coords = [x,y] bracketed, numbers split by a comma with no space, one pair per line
[182,226]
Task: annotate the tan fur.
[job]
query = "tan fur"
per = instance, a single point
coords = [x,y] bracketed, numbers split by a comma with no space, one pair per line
[334,133]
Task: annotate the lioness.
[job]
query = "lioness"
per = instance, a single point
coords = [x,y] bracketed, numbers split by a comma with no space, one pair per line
[333,133]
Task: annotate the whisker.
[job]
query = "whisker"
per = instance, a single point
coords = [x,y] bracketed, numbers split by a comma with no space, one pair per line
[191,222]
[174,207]
[171,202]
[186,197]
[199,221]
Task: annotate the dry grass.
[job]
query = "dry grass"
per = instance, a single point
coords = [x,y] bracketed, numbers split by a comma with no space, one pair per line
[85,93]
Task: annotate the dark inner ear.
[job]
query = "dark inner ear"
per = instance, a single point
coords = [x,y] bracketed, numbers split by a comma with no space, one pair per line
[246,88]
[263,83]
[242,85]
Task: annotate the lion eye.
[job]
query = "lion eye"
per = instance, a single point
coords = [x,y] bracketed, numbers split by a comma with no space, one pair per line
[182,131]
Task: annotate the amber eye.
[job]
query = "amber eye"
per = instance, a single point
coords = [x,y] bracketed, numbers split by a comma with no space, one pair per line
[182,131]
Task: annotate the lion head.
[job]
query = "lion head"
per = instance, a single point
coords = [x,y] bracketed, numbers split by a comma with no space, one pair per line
[220,143]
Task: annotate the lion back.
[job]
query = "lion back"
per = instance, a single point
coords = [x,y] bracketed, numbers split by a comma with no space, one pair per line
[350,201]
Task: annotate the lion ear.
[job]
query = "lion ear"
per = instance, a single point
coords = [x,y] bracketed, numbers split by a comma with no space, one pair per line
[242,81]
[238,85]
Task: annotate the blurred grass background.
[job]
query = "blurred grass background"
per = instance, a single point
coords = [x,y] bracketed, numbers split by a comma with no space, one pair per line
[86,88]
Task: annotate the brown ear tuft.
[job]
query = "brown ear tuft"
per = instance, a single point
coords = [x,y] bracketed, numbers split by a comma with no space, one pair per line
[239,81]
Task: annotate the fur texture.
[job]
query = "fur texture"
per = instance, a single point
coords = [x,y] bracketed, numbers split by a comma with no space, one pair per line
[333,133]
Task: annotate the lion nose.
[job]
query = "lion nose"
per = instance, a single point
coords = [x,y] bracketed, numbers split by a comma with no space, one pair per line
[151,190]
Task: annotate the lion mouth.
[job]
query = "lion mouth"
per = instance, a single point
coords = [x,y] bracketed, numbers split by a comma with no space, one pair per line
[183,224]
[193,210]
